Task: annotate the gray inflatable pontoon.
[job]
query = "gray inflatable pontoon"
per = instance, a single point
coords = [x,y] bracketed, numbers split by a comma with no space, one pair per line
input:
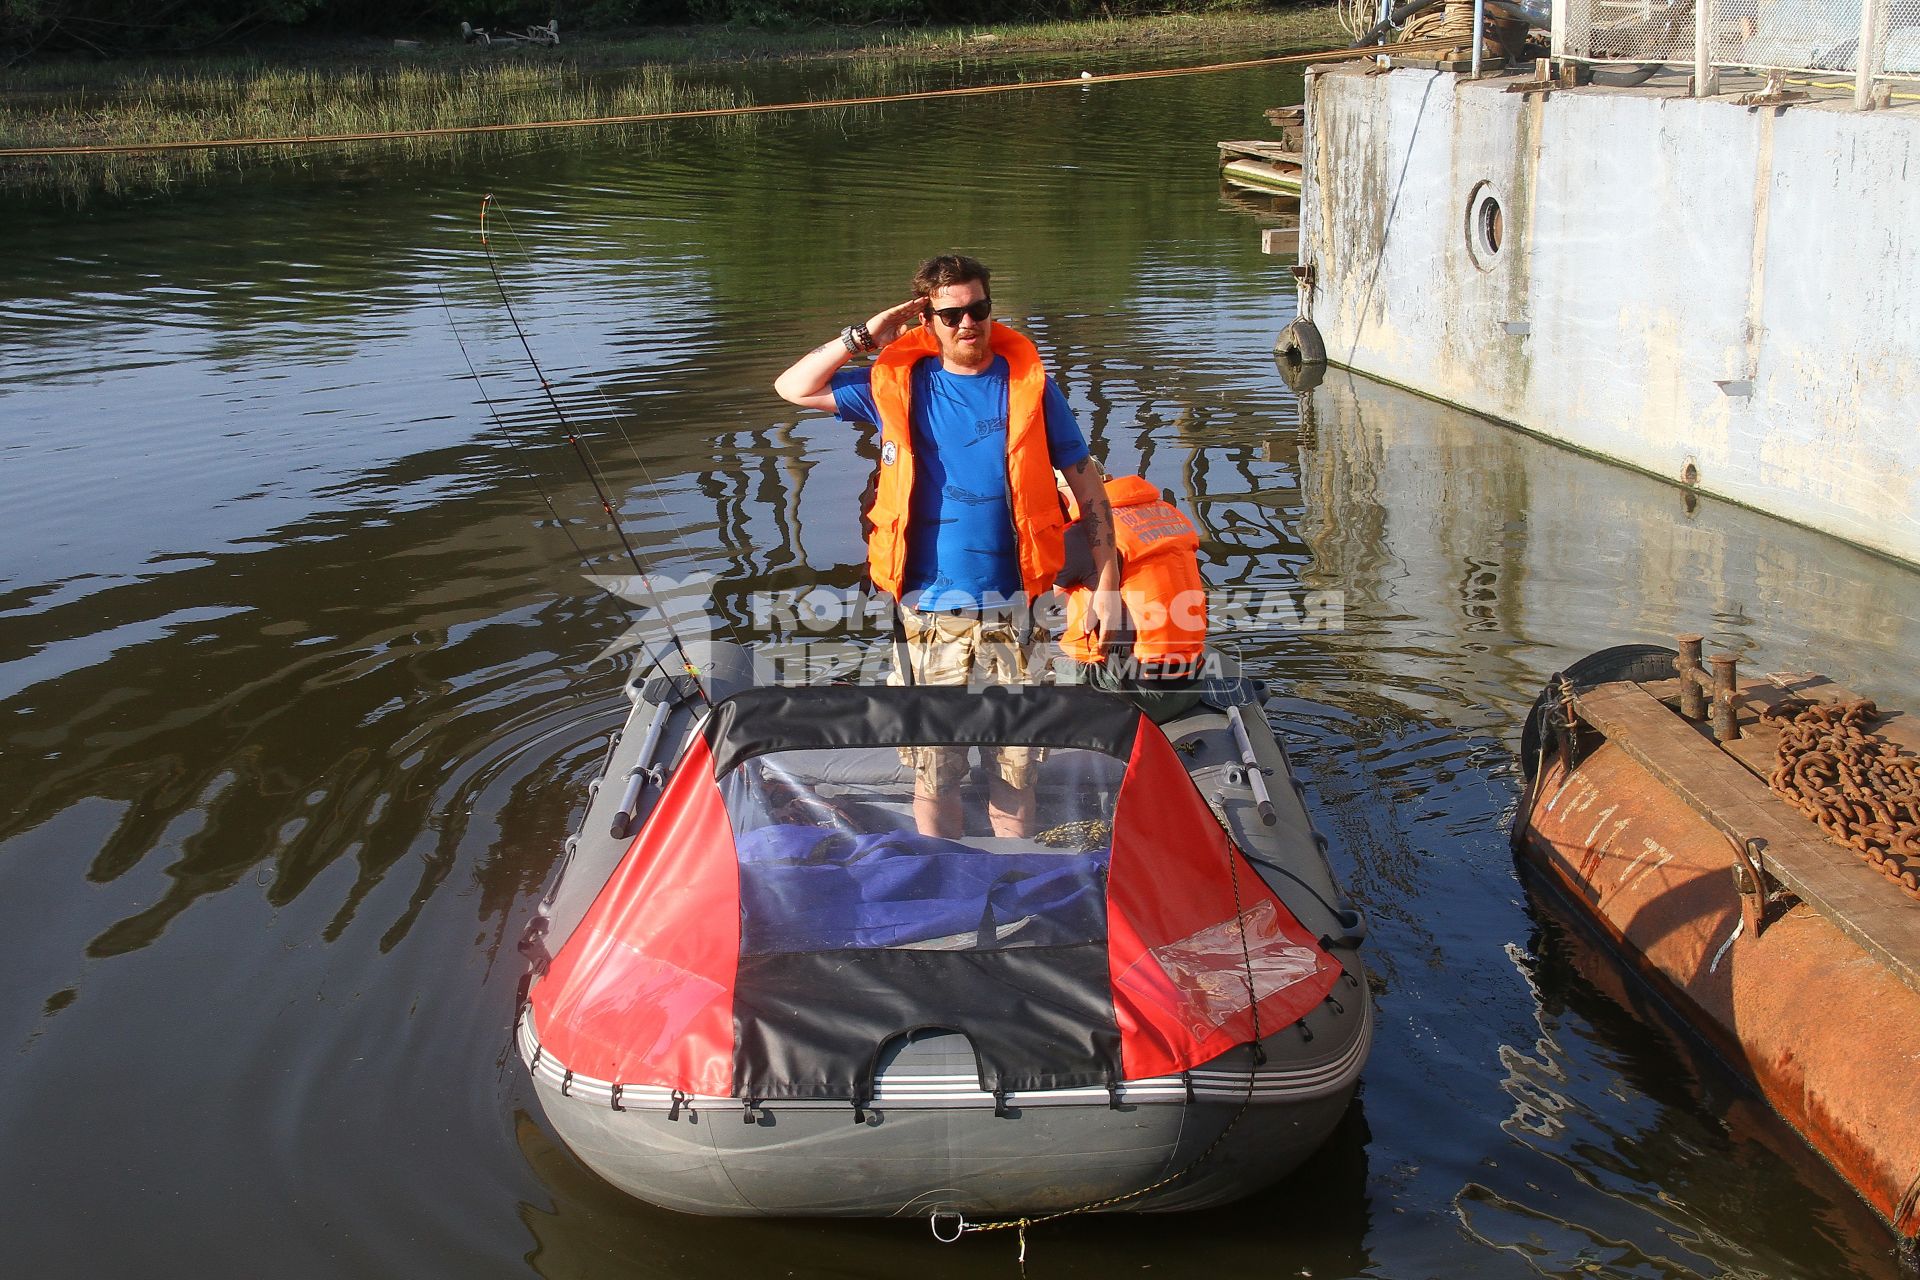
[756,988]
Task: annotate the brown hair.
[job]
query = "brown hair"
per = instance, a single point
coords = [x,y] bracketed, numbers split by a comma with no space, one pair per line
[946,269]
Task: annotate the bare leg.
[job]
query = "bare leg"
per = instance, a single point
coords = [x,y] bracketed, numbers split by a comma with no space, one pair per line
[939,815]
[1009,809]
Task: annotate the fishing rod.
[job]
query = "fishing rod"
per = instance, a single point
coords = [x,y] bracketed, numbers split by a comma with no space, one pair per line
[585,456]
[520,447]
[615,420]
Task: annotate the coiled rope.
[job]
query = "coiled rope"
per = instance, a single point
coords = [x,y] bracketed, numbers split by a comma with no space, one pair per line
[1452,24]
[704,113]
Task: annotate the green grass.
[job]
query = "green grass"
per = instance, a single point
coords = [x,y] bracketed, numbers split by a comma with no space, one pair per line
[356,89]
[281,102]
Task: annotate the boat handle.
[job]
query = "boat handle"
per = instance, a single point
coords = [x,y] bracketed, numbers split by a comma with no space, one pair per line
[641,774]
[1256,774]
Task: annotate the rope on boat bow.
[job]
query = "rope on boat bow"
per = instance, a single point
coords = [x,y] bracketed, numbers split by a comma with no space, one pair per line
[1257,1058]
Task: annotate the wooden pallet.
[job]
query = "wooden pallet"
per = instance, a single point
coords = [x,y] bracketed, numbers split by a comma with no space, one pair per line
[1256,149]
[1261,166]
[1257,176]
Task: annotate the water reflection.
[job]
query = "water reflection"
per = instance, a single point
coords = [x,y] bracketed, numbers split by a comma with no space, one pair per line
[300,694]
[1526,556]
[1641,1112]
[1475,561]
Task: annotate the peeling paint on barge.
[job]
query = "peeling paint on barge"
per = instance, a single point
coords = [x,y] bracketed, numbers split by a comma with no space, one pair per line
[1679,281]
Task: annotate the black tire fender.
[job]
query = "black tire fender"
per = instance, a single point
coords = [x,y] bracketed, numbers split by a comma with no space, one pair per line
[1299,343]
[1639,662]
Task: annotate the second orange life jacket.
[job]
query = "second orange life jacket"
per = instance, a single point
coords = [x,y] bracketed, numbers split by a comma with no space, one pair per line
[1160,582]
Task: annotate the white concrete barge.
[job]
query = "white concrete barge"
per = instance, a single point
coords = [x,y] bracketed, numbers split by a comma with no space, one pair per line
[1717,292]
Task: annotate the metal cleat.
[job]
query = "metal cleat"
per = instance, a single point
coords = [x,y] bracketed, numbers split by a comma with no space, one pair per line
[1776,94]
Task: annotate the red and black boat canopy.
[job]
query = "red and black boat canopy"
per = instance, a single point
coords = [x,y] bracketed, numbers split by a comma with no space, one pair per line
[780,919]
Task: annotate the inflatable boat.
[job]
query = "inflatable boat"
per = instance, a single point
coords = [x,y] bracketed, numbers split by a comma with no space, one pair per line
[756,988]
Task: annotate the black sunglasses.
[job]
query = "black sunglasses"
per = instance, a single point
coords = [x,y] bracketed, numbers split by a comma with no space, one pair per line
[950,316]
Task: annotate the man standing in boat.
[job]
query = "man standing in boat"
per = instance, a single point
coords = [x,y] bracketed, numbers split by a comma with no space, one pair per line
[965,529]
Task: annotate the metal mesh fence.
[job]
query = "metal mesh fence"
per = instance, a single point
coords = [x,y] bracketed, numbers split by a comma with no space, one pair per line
[1815,35]
[1792,35]
[1630,30]
[1901,53]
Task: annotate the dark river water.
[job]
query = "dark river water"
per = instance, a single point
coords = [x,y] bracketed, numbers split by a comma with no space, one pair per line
[300,693]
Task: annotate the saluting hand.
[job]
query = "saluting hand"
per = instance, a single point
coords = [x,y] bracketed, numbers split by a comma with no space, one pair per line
[896,320]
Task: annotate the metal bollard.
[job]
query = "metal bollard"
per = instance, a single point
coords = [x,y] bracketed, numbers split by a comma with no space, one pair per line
[1725,728]
[1693,700]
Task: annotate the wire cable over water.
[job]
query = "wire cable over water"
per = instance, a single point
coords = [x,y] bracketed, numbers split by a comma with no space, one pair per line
[712,113]
[617,418]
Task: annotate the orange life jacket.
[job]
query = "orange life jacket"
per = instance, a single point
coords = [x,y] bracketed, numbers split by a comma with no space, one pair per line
[1160,582]
[1038,524]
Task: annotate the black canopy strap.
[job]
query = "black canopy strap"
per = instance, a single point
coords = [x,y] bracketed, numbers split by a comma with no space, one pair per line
[772,718]
[1256,1060]
[902,655]
[987,936]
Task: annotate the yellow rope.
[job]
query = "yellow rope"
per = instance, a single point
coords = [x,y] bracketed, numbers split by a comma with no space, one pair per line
[707,113]
[1846,85]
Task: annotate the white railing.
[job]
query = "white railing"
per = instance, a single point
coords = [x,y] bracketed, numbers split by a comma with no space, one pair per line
[1820,40]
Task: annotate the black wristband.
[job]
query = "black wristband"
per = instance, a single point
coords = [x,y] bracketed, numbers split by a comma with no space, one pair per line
[864,338]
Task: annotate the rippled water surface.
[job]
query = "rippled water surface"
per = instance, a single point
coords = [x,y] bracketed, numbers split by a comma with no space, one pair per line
[300,693]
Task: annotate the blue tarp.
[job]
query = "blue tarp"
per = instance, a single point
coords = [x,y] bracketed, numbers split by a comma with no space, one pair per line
[806,889]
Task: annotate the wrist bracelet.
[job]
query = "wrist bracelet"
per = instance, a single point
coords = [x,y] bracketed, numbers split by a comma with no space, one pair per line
[866,339]
[851,341]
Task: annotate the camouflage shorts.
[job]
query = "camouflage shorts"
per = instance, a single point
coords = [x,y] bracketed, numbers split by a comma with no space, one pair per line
[955,649]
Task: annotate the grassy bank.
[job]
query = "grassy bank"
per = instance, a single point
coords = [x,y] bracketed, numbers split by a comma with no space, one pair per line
[1223,21]
[324,90]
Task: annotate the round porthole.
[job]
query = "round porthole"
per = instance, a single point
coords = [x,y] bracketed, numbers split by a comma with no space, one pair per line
[1486,225]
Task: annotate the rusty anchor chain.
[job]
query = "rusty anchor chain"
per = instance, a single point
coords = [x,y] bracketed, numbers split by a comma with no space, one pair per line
[1858,787]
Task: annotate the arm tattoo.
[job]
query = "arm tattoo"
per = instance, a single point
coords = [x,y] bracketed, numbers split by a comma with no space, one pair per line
[1097,515]
[1099,527]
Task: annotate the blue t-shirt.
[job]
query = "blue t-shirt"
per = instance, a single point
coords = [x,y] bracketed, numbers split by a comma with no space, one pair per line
[960,541]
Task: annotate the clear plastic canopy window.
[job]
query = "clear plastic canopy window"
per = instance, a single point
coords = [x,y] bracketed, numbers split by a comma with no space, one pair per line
[832,856]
